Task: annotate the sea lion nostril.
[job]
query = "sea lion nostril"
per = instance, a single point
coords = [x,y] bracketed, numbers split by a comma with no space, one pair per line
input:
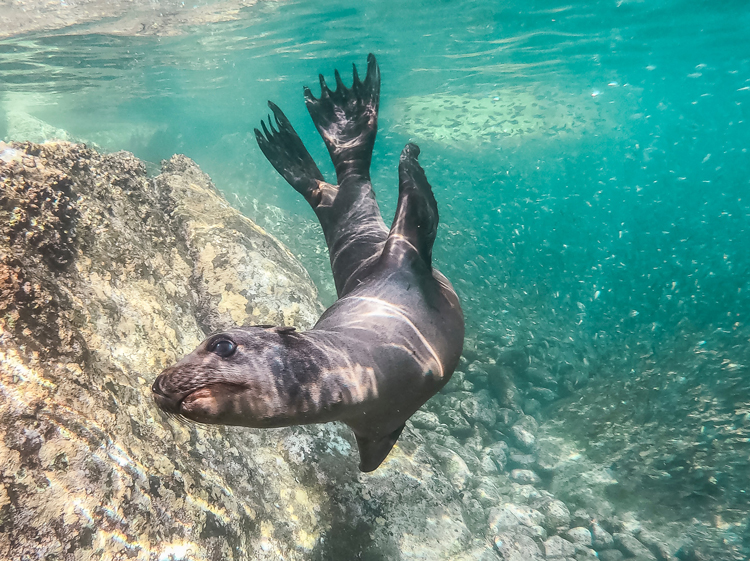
[156,387]
[168,403]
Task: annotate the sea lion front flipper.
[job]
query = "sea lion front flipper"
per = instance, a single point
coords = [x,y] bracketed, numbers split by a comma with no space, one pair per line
[286,152]
[372,452]
[415,224]
[347,119]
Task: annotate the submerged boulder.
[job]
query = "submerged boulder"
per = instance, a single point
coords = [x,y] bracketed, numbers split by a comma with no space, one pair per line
[106,277]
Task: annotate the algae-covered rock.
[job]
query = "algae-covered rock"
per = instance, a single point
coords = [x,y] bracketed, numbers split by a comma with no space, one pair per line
[106,277]
[516,546]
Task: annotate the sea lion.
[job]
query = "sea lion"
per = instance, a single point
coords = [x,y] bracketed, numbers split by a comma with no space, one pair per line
[391,340]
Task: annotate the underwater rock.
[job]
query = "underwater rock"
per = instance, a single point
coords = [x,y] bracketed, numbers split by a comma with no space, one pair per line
[601,538]
[611,555]
[520,460]
[456,383]
[20,124]
[538,533]
[541,377]
[506,417]
[632,547]
[525,477]
[467,454]
[106,277]
[241,274]
[477,374]
[453,465]
[499,453]
[511,515]
[487,464]
[557,548]
[516,546]
[579,536]
[586,554]
[657,544]
[487,492]
[524,494]
[97,294]
[546,462]
[480,408]
[544,395]
[456,423]
[580,518]
[504,389]
[523,432]
[557,516]
[425,420]
[532,407]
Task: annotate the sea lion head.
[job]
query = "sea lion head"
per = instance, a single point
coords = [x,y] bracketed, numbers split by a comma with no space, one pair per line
[228,379]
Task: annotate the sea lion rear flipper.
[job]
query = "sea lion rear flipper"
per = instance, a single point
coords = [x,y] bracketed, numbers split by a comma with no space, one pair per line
[286,152]
[347,119]
[372,452]
[416,219]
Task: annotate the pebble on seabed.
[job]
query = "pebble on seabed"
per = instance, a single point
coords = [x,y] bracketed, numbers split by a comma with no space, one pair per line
[579,536]
[601,538]
[525,477]
[557,516]
[556,547]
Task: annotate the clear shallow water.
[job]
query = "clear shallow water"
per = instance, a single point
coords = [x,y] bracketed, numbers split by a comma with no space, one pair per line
[604,230]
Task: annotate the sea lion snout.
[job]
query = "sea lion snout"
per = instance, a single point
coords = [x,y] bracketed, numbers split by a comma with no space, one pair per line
[166,401]
[175,383]
[212,403]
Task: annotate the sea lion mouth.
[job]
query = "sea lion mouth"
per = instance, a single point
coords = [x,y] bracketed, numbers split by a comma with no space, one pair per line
[209,404]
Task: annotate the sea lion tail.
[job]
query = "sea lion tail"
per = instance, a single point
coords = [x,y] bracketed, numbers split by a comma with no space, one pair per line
[286,152]
[347,119]
[416,219]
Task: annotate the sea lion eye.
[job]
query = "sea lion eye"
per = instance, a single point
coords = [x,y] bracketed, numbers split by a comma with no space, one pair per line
[223,347]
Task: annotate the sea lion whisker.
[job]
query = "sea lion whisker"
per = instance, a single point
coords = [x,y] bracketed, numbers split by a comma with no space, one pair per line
[177,417]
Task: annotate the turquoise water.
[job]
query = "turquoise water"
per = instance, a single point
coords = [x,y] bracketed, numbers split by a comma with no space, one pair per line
[590,162]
